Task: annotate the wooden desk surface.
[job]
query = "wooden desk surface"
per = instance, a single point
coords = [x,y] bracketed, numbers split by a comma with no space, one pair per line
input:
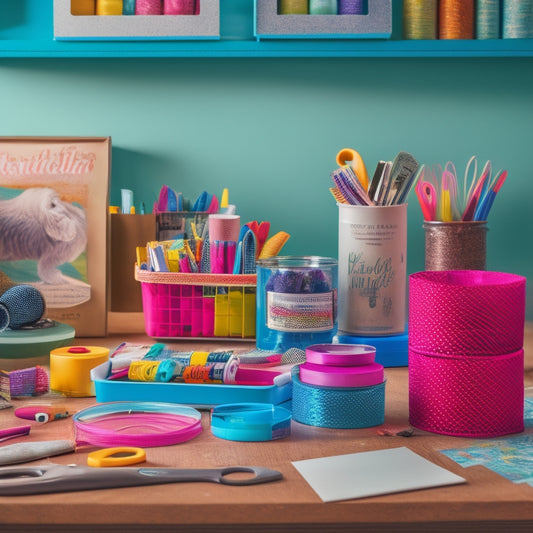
[487,502]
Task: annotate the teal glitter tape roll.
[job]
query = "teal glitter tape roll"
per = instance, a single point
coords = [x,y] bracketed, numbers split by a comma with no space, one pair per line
[336,407]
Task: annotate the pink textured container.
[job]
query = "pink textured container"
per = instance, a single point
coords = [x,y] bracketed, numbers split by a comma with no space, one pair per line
[467,396]
[468,312]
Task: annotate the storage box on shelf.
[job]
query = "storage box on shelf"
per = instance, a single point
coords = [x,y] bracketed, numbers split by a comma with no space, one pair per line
[204,25]
[271,24]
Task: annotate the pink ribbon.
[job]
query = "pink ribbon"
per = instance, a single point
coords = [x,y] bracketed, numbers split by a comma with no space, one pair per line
[340,354]
[341,376]
[467,396]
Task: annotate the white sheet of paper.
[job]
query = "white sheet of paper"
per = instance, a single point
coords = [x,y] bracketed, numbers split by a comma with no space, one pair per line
[358,475]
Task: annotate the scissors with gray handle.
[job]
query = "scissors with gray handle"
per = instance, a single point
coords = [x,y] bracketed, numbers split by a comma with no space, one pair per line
[17,481]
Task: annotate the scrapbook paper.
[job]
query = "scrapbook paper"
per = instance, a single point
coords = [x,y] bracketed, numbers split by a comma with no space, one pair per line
[358,475]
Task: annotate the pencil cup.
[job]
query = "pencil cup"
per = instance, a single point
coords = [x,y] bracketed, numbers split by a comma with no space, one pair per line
[372,269]
[455,245]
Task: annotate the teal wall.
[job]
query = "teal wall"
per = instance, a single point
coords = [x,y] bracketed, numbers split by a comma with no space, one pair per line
[269,129]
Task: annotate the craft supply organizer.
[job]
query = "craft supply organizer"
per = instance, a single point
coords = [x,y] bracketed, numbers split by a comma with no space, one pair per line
[195,305]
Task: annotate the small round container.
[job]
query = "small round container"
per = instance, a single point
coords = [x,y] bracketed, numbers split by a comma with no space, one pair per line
[250,422]
[340,354]
[143,424]
[296,302]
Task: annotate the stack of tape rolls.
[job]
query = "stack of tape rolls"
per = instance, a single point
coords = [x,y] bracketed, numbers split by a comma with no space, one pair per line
[70,369]
[339,386]
[466,357]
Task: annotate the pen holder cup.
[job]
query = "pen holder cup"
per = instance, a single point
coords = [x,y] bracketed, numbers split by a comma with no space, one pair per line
[455,245]
[372,269]
[195,305]
[296,302]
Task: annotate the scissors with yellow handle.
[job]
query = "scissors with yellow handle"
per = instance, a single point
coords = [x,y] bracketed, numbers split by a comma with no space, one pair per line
[348,156]
[19,481]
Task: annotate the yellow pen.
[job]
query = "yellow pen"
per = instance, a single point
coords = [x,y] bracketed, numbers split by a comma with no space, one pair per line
[446,207]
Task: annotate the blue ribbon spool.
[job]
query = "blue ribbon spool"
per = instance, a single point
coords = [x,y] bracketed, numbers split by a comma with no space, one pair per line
[337,407]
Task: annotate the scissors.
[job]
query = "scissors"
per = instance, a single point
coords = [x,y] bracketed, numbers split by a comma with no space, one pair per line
[19,481]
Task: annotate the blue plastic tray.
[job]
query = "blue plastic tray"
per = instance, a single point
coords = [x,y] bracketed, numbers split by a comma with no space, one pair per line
[196,395]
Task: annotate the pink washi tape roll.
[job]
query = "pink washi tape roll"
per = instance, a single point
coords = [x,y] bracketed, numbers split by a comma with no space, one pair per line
[472,396]
[224,227]
[340,354]
[466,312]
[341,376]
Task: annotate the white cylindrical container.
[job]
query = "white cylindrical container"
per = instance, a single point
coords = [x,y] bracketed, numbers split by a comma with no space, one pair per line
[372,269]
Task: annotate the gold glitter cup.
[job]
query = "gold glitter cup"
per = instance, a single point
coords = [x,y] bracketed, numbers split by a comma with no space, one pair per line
[372,269]
[455,245]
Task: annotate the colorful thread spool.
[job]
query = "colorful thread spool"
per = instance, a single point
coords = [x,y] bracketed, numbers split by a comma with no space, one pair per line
[419,19]
[488,19]
[517,22]
[351,7]
[128,7]
[179,7]
[293,7]
[322,7]
[83,7]
[109,7]
[149,7]
[456,19]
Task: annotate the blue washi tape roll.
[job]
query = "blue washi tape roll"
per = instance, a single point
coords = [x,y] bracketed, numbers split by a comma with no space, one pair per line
[250,422]
[337,407]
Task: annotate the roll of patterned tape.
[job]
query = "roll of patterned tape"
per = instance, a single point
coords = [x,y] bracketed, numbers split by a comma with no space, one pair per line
[70,369]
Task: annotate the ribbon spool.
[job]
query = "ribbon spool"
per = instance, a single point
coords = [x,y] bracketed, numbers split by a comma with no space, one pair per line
[337,407]
[70,369]
[477,396]
[466,312]
[340,354]
[341,376]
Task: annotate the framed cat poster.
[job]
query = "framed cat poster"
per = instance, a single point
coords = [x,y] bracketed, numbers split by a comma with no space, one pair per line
[53,224]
